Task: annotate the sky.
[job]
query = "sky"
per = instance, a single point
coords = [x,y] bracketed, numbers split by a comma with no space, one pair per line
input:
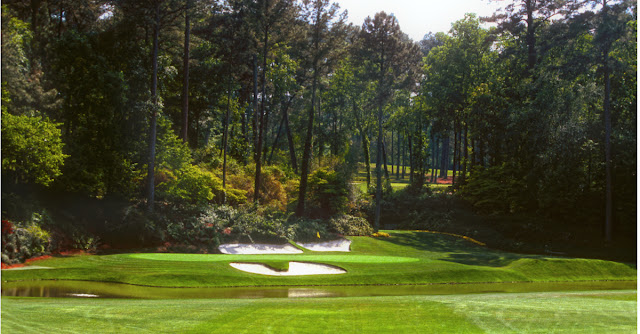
[418,17]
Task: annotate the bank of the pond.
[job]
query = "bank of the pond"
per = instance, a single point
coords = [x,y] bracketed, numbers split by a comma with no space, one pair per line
[85,289]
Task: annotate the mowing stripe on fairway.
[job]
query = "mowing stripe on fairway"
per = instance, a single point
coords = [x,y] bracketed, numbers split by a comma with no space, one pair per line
[273,257]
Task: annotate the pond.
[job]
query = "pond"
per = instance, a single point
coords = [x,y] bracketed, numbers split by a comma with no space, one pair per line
[85,289]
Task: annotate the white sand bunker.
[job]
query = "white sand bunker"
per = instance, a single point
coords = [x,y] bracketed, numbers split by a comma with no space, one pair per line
[258,249]
[295,269]
[28,268]
[340,245]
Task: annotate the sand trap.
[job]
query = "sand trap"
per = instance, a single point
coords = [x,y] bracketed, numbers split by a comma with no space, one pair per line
[28,268]
[340,245]
[295,269]
[258,249]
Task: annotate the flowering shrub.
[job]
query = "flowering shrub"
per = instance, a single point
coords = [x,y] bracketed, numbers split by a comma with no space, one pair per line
[19,244]
[7,227]
[381,235]
[350,225]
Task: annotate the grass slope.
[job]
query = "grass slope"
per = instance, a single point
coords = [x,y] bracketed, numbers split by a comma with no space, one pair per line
[404,258]
[557,312]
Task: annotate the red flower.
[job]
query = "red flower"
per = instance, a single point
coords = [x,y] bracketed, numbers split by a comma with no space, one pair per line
[227,231]
[7,227]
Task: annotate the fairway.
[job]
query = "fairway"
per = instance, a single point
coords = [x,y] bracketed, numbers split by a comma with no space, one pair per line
[557,312]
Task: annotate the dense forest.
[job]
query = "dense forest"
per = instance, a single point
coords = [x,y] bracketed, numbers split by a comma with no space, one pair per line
[180,123]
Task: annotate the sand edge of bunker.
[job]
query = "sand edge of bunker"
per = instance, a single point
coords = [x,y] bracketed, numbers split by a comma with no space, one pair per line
[338,245]
[295,269]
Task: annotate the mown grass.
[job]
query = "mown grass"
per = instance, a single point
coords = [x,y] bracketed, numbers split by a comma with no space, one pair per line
[550,312]
[404,258]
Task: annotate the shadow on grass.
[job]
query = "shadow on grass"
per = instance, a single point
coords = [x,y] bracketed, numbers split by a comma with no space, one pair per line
[456,249]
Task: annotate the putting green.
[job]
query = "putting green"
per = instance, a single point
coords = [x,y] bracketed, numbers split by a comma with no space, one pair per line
[351,258]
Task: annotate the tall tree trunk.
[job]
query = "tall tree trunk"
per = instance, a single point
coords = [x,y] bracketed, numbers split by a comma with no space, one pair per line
[225,141]
[411,158]
[366,144]
[404,156]
[392,162]
[466,151]
[531,36]
[608,227]
[398,150]
[275,143]
[434,169]
[308,147]
[265,50]
[60,19]
[185,79]
[292,150]
[455,152]
[255,110]
[319,138]
[384,158]
[152,127]
[376,225]
[444,159]
[472,160]
[481,153]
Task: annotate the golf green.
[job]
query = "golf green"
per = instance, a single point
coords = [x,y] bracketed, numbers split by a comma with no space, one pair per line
[341,258]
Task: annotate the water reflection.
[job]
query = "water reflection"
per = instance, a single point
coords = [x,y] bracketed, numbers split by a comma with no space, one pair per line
[81,289]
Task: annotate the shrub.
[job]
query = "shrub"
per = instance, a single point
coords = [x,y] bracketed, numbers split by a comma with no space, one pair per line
[21,243]
[350,225]
[328,191]
[246,224]
[190,185]
[305,230]
[272,191]
[497,189]
[381,235]
[31,148]
[196,232]
[196,186]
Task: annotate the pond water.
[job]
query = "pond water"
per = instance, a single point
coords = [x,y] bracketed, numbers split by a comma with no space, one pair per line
[84,289]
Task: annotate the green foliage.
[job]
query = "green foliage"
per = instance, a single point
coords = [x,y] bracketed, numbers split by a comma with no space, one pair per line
[171,152]
[497,189]
[31,149]
[350,225]
[306,230]
[273,192]
[26,240]
[197,233]
[248,225]
[191,185]
[328,192]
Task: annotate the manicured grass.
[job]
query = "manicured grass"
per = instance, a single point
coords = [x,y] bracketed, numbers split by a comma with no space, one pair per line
[550,312]
[404,258]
